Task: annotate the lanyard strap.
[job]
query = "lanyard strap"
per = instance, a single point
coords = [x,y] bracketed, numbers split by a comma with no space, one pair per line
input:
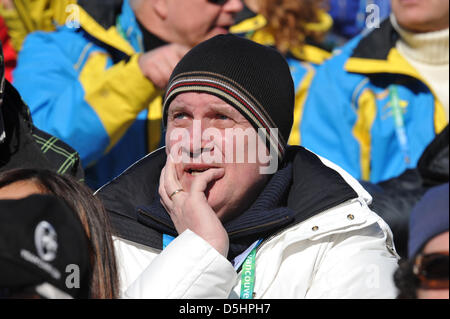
[248,276]
[248,273]
[400,131]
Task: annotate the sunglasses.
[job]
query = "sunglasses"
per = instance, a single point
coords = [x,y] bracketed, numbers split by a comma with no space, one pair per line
[218,2]
[432,270]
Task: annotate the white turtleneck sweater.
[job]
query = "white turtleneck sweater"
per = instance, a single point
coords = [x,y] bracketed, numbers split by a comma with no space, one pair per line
[428,53]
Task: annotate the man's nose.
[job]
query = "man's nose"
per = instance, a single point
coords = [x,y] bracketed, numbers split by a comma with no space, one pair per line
[233,6]
[199,143]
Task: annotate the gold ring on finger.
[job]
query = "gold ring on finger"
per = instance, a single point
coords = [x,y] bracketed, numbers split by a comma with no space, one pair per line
[176,192]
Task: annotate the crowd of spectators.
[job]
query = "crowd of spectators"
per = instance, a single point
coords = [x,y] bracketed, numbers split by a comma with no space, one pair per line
[90,94]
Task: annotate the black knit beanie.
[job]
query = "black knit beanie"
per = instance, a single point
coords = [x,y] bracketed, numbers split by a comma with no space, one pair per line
[250,77]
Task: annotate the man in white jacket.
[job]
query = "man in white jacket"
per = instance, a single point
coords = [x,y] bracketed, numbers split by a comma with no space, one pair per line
[228,210]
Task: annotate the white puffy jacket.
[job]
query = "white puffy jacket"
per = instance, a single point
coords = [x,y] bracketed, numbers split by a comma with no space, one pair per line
[344,252]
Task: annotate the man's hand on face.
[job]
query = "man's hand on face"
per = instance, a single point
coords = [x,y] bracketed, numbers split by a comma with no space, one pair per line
[190,209]
[157,65]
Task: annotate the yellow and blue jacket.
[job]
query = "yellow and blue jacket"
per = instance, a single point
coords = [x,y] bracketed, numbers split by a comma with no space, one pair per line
[302,61]
[369,111]
[84,85]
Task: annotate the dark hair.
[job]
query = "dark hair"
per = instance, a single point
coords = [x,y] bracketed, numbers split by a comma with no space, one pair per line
[287,20]
[405,280]
[104,276]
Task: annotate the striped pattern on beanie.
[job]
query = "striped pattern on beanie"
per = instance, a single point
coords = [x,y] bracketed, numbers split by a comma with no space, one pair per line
[252,78]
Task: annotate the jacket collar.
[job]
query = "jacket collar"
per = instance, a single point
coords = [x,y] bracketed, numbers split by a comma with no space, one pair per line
[315,186]
[111,36]
[376,53]
[302,189]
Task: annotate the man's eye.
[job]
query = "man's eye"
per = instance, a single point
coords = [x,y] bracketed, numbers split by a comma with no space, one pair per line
[179,116]
[222,117]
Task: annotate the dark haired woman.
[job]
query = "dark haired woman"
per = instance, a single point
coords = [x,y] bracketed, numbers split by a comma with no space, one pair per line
[20,183]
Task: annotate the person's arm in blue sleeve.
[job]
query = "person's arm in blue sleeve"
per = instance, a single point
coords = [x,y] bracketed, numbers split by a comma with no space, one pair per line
[90,106]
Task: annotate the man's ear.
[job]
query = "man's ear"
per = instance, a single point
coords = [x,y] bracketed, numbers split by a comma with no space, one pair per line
[161,8]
